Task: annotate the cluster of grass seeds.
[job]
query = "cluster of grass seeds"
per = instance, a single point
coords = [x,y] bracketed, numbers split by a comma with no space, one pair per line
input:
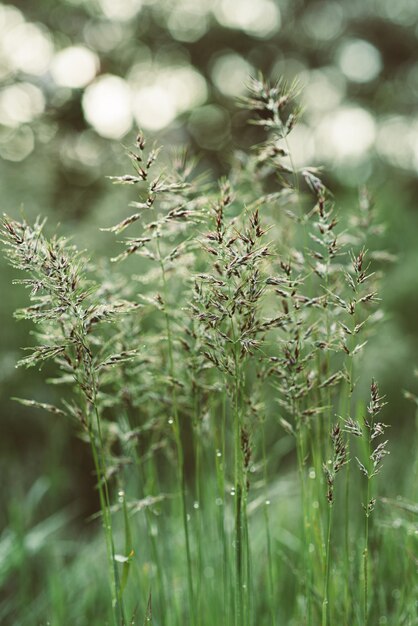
[238,327]
[67,314]
[327,297]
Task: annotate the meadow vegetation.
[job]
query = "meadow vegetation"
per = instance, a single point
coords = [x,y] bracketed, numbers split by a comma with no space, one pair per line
[212,368]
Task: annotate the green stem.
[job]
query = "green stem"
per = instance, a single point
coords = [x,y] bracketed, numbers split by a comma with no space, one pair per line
[268,538]
[117,607]
[220,474]
[366,559]
[347,541]
[179,443]
[198,514]
[305,522]
[366,525]
[100,467]
[325,602]
[238,514]
[248,595]
[238,481]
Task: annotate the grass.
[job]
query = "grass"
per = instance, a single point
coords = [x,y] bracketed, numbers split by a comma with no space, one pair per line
[214,382]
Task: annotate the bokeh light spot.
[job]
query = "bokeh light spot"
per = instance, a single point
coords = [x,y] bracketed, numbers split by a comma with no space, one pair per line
[164,93]
[18,145]
[188,21]
[74,67]
[28,48]
[103,35]
[20,103]
[153,107]
[346,134]
[301,146]
[230,73]
[9,18]
[107,106]
[359,60]
[402,12]
[323,20]
[210,126]
[120,11]
[323,89]
[394,137]
[256,17]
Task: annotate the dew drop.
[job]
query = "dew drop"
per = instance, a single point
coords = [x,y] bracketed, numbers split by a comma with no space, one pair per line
[218,453]
[219,502]
[171,421]
[196,505]
[267,502]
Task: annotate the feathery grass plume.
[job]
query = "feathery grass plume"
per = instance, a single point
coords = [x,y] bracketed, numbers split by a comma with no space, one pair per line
[171,205]
[295,332]
[229,328]
[169,200]
[230,351]
[67,314]
[369,430]
[326,291]
[331,469]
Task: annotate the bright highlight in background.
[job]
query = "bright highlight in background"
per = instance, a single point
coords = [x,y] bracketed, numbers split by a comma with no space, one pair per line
[230,73]
[20,104]
[107,106]
[28,48]
[120,11]
[162,95]
[359,60]
[153,107]
[74,67]
[347,134]
[256,17]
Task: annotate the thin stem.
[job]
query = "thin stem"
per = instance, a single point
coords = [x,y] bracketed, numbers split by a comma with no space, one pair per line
[220,474]
[199,538]
[248,595]
[366,526]
[100,468]
[365,560]
[238,481]
[268,537]
[325,602]
[179,444]
[305,522]
[107,526]
[238,511]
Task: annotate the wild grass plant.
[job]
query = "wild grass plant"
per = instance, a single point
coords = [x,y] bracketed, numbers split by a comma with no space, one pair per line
[215,383]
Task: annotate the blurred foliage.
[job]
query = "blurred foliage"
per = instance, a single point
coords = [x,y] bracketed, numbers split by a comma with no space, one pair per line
[78,76]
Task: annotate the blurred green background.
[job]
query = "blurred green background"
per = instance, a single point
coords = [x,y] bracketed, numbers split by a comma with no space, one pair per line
[77,77]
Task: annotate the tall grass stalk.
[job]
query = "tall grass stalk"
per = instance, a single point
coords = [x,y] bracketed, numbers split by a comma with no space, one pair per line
[55,271]
[249,307]
[178,439]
